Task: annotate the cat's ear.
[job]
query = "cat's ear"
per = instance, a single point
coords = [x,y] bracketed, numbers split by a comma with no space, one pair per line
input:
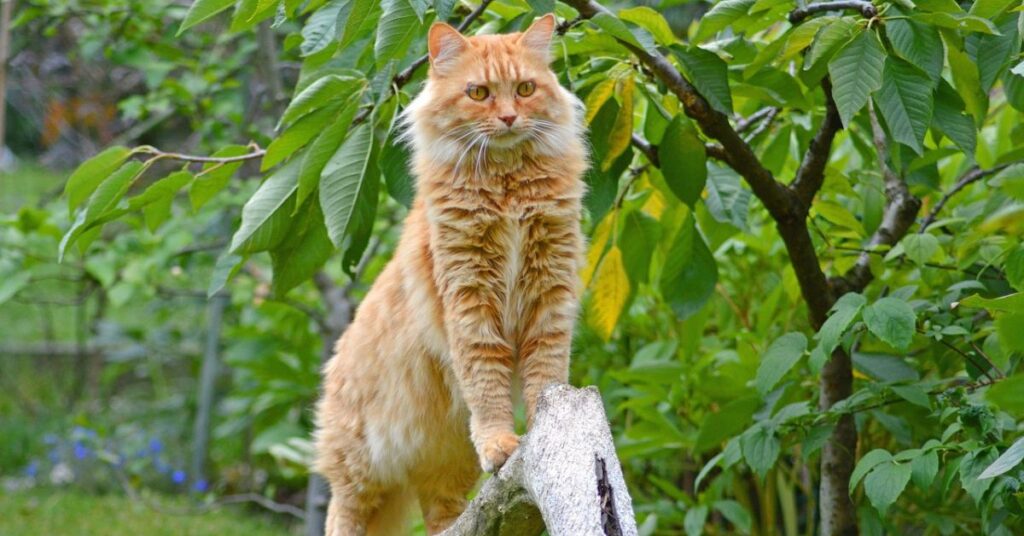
[538,36]
[445,44]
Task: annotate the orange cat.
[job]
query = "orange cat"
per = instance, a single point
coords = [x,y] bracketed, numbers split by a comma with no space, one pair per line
[484,285]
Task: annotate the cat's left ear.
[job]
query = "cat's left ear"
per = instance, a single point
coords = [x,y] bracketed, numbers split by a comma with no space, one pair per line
[538,36]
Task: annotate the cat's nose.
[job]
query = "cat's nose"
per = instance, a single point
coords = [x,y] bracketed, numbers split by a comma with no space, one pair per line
[508,119]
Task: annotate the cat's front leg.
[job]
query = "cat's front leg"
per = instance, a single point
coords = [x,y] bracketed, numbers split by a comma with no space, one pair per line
[550,282]
[483,363]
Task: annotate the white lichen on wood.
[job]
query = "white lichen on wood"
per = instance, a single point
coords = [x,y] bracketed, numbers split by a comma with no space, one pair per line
[565,476]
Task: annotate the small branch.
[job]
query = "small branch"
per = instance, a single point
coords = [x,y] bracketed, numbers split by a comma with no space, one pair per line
[866,9]
[811,174]
[900,210]
[256,152]
[745,123]
[972,176]
[762,126]
[403,77]
[645,147]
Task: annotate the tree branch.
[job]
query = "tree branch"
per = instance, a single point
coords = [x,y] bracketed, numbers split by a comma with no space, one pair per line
[900,210]
[972,176]
[565,476]
[811,174]
[866,9]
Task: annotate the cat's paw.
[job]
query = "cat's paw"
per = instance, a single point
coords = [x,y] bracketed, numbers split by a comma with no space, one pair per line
[496,450]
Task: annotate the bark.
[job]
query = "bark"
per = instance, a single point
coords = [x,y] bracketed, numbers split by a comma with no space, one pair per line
[565,476]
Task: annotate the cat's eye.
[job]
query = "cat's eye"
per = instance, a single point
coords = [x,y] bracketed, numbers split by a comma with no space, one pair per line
[477,93]
[525,89]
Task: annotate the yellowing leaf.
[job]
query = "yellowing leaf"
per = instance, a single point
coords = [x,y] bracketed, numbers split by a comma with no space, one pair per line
[598,96]
[597,246]
[622,130]
[655,204]
[611,290]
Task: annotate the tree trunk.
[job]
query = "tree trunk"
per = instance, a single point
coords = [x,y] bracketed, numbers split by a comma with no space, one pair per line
[207,387]
[565,476]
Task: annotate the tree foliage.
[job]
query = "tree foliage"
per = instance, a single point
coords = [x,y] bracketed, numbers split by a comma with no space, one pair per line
[805,225]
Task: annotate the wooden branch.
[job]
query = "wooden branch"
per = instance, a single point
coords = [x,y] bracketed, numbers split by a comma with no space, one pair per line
[565,476]
[972,176]
[811,174]
[866,9]
[773,194]
[901,209]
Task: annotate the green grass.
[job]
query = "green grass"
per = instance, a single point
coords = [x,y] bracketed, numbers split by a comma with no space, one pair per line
[59,513]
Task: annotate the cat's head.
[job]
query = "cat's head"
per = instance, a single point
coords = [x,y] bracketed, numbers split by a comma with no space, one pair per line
[492,93]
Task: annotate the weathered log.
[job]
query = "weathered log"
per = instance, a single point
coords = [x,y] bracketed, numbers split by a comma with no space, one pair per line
[565,476]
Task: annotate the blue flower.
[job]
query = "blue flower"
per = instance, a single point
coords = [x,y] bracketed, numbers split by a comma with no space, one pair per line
[201,485]
[81,451]
[83,431]
[155,446]
[162,467]
[50,439]
[178,477]
[54,455]
[32,470]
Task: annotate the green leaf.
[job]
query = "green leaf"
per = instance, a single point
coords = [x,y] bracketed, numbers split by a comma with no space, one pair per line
[201,10]
[322,149]
[325,91]
[296,136]
[971,467]
[988,9]
[727,200]
[320,28]
[868,462]
[885,484]
[1013,303]
[91,173]
[689,274]
[892,320]
[966,80]
[11,284]
[951,120]
[924,468]
[992,53]
[781,355]
[1014,265]
[696,517]
[227,266]
[920,248]
[365,14]
[760,448]
[398,25]
[730,420]
[342,179]
[735,514]
[709,74]
[829,40]
[1008,460]
[444,8]
[720,16]
[650,20]
[643,233]
[1008,395]
[214,176]
[102,203]
[307,249]
[266,215]
[843,313]
[856,72]
[394,164]
[906,102]
[683,160]
[615,28]
[917,43]
[156,200]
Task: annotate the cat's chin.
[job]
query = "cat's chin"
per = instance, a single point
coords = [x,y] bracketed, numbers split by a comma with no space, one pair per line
[507,140]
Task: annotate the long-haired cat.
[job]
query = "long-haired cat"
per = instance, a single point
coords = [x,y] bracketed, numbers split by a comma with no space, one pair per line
[483,286]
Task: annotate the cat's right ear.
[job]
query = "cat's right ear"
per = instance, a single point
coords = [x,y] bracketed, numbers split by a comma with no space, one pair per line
[445,44]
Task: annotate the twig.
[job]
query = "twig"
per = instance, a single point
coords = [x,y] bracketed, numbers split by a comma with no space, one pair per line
[972,176]
[866,9]
[255,152]
[645,147]
[745,123]
[763,125]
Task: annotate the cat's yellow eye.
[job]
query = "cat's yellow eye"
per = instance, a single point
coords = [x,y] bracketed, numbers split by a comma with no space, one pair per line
[525,89]
[477,93]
